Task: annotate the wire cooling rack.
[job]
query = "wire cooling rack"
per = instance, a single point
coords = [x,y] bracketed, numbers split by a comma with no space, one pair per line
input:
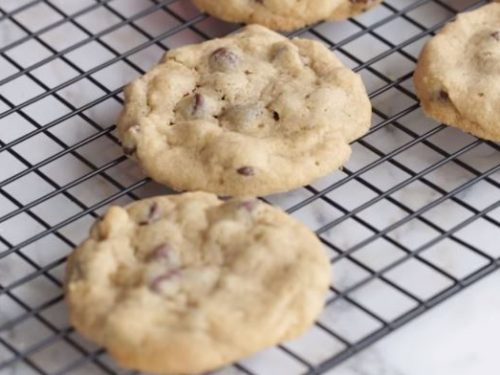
[412,219]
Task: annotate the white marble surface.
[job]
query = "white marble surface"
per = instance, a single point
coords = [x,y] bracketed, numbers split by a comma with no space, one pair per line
[458,337]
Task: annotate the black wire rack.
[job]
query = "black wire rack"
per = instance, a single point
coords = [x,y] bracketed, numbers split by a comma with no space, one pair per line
[411,220]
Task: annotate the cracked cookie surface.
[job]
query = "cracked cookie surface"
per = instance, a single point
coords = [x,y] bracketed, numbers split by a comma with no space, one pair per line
[284,14]
[458,73]
[187,283]
[250,114]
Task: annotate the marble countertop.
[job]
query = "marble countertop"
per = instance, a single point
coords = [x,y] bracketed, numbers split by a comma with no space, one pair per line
[401,167]
[459,337]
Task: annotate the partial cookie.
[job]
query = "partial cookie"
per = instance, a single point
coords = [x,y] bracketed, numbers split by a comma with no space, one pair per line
[458,74]
[188,283]
[284,14]
[250,114]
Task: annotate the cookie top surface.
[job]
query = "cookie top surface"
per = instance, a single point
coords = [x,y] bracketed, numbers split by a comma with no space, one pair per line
[458,74]
[253,113]
[187,283]
[284,14]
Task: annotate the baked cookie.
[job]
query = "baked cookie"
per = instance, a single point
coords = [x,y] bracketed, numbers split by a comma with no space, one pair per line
[250,114]
[458,73]
[187,283]
[284,15]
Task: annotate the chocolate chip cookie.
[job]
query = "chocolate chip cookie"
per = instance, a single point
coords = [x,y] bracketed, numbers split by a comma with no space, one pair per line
[284,14]
[458,73]
[250,114]
[188,283]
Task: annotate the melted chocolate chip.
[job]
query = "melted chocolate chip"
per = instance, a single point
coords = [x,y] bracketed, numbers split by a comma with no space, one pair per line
[246,171]
[496,36]
[154,214]
[276,116]
[223,60]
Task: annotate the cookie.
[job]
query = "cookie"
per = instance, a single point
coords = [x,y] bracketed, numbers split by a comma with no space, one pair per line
[458,73]
[250,114]
[284,15]
[188,283]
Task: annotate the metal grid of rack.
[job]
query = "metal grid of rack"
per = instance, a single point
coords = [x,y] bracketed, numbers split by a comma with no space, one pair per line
[411,220]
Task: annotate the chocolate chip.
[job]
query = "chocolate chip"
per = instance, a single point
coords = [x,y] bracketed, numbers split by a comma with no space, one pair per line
[77,271]
[276,116]
[223,60]
[129,144]
[161,252]
[129,150]
[281,52]
[496,36]
[155,284]
[246,171]
[249,205]
[198,104]
[243,117]
[193,107]
[443,95]
[154,214]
